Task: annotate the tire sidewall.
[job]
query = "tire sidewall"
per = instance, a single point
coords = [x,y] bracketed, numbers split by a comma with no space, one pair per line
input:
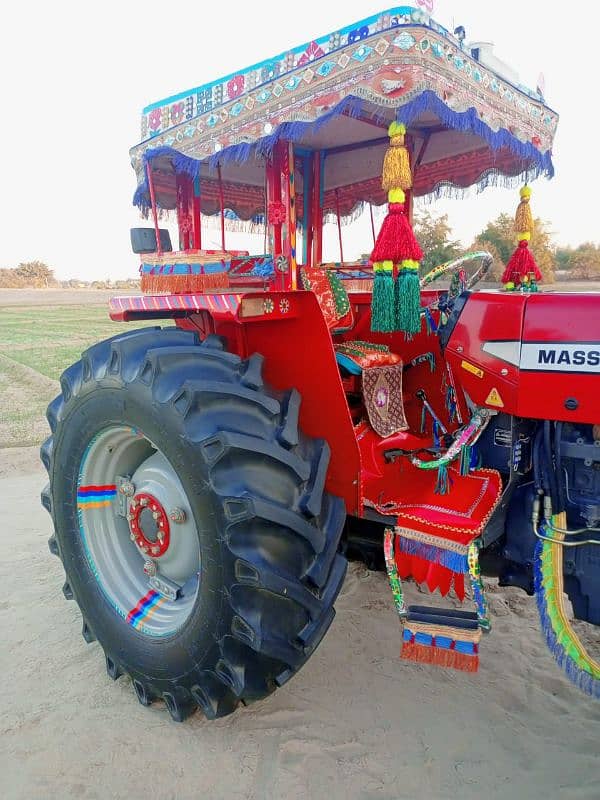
[107,404]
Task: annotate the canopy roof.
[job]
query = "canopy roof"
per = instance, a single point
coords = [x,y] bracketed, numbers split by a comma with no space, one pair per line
[469,125]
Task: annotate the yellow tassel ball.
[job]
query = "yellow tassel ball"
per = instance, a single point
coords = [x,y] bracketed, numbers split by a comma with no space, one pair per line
[396,196]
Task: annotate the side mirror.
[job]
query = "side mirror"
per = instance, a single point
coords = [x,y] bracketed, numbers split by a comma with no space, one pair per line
[143,240]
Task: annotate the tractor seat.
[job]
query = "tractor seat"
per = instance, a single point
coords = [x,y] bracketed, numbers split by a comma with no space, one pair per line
[331,294]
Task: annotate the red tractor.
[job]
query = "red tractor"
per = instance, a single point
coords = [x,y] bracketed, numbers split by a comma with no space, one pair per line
[209,478]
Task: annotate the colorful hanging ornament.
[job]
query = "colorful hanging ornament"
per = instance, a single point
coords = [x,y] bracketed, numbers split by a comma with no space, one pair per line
[396,307]
[521,270]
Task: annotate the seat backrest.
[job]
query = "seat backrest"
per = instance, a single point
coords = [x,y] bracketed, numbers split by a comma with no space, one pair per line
[331,295]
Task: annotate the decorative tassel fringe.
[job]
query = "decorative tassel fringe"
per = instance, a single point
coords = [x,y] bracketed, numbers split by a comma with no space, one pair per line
[521,265]
[560,638]
[465,459]
[382,301]
[442,485]
[456,562]
[521,270]
[183,284]
[408,299]
[396,241]
[396,173]
[523,217]
[439,656]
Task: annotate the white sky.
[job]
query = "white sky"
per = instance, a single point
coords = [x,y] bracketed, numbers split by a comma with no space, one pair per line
[76,75]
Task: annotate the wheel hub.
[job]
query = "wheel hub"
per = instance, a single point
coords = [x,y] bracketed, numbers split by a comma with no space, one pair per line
[149,524]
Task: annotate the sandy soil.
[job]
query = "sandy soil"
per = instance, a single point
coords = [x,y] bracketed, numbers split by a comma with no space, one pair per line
[355,723]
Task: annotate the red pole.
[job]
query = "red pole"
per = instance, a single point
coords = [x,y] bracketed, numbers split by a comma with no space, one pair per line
[153,204]
[317,212]
[222,202]
[339,225]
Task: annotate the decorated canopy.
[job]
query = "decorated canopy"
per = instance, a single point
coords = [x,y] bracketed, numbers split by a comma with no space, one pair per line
[467,124]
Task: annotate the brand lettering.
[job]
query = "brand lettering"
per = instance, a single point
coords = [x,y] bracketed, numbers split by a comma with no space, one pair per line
[560,357]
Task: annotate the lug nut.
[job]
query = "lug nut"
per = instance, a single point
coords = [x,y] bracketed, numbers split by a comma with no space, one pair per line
[155,551]
[150,568]
[155,515]
[127,488]
[144,501]
[132,537]
[177,515]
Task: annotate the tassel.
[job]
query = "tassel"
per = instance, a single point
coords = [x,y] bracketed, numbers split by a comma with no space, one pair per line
[396,173]
[465,459]
[442,484]
[521,270]
[523,217]
[396,241]
[408,298]
[382,301]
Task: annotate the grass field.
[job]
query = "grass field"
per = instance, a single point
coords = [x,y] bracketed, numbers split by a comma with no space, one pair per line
[36,344]
[41,333]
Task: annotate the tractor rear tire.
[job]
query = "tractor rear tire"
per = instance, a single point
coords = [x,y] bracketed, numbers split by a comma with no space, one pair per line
[268,535]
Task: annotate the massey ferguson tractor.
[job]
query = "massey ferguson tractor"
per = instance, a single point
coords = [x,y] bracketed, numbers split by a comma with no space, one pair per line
[210,474]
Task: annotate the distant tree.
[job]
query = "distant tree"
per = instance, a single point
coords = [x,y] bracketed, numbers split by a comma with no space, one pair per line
[563,256]
[434,235]
[35,274]
[585,262]
[501,233]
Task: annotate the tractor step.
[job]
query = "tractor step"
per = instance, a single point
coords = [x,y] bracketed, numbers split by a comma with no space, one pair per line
[442,636]
[445,617]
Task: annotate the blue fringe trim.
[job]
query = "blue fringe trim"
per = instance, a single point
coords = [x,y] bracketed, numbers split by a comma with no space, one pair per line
[455,562]
[582,679]
[238,153]
[469,121]
[535,162]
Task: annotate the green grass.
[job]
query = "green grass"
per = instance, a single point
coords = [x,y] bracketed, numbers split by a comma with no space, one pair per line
[36,344]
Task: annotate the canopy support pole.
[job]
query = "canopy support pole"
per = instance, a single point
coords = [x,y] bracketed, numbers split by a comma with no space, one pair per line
[289,186]
[222,204]
[372,222]
[307,181]
[317,208]
[339,225]
[153,204]
[197,213]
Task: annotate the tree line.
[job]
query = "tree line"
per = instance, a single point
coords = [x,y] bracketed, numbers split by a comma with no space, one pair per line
[37,275]
[498,237]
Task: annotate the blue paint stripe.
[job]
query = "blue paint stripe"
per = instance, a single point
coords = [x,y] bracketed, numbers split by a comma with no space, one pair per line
[82,501]
[151,601]
[82,492]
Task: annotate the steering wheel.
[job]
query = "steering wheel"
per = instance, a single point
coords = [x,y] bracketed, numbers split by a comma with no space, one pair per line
[459,281]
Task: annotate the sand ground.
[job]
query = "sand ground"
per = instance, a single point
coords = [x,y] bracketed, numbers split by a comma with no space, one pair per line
[355,723]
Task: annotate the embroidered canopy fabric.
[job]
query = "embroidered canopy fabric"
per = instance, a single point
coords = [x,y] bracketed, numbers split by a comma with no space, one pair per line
[337,94]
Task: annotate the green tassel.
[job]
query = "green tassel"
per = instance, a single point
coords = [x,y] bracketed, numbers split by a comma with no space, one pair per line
[442,487]
[382,302]
[408,301]
[465,459]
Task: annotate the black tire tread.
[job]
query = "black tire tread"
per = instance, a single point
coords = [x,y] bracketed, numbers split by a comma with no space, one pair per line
[254,657]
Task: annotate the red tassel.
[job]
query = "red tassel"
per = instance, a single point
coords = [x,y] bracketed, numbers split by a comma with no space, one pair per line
[396,241]
[521,264]
[441,657]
